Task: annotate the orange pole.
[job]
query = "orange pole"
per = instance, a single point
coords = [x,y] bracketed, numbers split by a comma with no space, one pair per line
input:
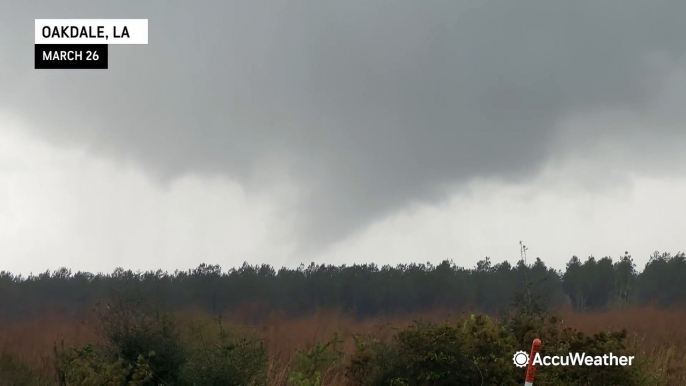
[531,368]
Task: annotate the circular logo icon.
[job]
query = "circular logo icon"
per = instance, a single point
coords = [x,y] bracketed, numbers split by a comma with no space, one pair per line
[520,359]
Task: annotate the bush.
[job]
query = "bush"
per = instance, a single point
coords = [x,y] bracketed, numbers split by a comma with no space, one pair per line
[310,366]
[134,329]
[477,351]
[90,365]
[466,353]
[145,348]
[218,358]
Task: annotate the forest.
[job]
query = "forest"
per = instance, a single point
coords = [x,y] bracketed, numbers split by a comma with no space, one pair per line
[360,290]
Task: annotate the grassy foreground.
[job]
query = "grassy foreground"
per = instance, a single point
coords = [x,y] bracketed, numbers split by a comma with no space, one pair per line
[129,343]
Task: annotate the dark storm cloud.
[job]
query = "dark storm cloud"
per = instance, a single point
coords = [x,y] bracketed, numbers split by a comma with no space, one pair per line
[369,105]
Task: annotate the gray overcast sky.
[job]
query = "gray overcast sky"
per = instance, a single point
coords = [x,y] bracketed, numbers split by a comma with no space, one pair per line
[346,131]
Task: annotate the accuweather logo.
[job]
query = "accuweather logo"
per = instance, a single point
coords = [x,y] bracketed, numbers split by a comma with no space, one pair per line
[521,359]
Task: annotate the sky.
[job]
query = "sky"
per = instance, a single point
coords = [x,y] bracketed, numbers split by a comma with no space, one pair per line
[346,132]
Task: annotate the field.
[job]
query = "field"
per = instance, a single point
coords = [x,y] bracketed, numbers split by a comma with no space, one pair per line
[658,334]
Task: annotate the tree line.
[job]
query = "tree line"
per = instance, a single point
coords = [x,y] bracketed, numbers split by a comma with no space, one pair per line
[365,290]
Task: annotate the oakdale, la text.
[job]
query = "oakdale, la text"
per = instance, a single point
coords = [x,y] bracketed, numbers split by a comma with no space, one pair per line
[92,32]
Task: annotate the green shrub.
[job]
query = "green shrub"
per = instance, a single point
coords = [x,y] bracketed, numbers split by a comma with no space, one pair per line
[90,365]
[464,353]
[134,329]
[477,351]
[311,365]
[372,358]
[144,347]
[218,358]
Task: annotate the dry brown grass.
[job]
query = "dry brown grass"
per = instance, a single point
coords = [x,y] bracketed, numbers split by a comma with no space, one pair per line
[33,341]
[659,335]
